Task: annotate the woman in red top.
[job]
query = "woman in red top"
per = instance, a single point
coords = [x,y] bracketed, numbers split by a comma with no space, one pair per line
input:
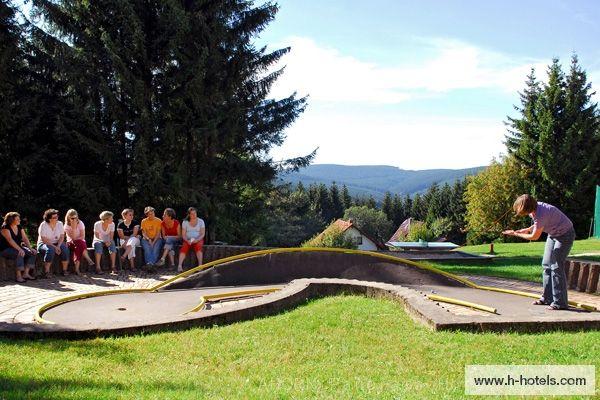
[171,232]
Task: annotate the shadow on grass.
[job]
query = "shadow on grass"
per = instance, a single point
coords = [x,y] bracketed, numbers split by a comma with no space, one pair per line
[113,351]
[30,387]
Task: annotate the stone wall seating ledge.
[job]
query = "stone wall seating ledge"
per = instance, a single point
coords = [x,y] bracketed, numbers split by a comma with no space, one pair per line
[211,253]
[583,275]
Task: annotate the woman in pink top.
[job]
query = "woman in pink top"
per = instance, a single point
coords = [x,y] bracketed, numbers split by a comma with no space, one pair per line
[75,231]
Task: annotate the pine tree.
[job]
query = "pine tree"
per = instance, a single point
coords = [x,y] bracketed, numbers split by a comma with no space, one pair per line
[552,132]
[337,206]
[11,60]
[178,96]
[556,141]
[582,137]
[371,203]
[387,206]
[457,209]
[432,203]
[523,133]
[445,199]
[399,212]
[323,203]
[419,208]
[407,206]
[346,198]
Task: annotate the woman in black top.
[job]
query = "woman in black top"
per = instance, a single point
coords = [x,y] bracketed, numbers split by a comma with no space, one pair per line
[15,245]
[128,230]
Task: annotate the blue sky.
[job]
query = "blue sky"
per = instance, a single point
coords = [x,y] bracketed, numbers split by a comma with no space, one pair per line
[419,84]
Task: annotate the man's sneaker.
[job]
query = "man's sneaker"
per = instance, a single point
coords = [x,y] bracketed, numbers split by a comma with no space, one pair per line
[160,262]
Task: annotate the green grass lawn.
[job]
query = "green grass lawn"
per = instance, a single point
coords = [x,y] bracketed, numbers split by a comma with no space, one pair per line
[343,347]
[515,260]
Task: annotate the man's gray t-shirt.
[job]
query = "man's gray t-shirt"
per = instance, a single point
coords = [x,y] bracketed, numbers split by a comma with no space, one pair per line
[551,220]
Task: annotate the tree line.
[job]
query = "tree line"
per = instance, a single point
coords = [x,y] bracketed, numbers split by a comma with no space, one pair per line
[296,213]
[112,104]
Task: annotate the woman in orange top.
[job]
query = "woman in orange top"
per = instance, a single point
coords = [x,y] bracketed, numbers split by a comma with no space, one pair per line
[151,236]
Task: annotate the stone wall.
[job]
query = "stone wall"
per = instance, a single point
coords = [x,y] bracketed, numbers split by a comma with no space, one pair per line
[211,253]
[583,275]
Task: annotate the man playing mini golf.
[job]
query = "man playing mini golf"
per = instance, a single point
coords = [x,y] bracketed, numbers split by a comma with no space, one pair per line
[549,219]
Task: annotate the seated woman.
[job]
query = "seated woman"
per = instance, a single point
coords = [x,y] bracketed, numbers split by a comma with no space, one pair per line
[104,231]
[171,232]
[192,232]
[51,241]
[151,237]
[128,230]
[14,245]
[75,231]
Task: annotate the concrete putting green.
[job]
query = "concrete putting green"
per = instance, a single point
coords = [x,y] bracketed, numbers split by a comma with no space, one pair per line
[266,282]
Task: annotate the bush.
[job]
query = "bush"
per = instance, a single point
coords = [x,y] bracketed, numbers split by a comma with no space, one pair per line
[419,231]
[331,237]
[490,196]
[441,227]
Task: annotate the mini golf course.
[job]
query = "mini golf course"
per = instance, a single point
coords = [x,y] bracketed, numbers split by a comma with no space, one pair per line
[267,282]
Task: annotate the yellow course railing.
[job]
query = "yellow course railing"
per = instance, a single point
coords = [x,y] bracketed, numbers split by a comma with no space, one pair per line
[387,257]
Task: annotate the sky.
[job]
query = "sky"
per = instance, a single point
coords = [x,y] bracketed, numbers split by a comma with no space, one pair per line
[419,84]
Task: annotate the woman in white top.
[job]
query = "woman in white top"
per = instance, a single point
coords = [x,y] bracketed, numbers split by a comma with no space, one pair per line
[104,232]
[51,241]
[75,231]
[192,232]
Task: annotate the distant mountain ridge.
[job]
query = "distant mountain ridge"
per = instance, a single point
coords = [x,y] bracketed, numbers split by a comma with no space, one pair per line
[376,180]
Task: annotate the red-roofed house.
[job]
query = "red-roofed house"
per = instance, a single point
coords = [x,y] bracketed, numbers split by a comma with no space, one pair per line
[362,241]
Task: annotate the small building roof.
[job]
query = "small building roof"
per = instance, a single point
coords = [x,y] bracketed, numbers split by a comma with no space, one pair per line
[345,225]
[403,229]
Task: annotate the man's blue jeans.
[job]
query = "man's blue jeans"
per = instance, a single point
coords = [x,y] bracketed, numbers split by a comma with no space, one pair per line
[152,253]
[554,276]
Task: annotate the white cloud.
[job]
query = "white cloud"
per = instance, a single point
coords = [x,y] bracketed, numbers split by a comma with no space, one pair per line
[396,140]
[327,75]
[352,118]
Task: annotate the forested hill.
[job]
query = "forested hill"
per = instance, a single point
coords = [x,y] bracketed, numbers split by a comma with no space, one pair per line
[375,180]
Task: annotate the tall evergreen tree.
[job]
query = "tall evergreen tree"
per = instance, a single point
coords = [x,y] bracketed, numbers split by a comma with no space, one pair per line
[445,199]
[337,206]
[399,212]
[523,132]
[433,203]
[11,59]
[419,207]
[555,139]
[387,206]
[178,96]
[346,198]
[407,205]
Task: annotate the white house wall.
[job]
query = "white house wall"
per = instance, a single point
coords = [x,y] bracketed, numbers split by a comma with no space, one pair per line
[367,244]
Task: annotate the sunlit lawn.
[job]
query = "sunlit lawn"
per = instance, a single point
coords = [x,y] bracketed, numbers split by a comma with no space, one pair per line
[515,260]
[333,348]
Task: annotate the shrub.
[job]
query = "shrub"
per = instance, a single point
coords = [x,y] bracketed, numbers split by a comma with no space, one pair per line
[419,231]
[331,237]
